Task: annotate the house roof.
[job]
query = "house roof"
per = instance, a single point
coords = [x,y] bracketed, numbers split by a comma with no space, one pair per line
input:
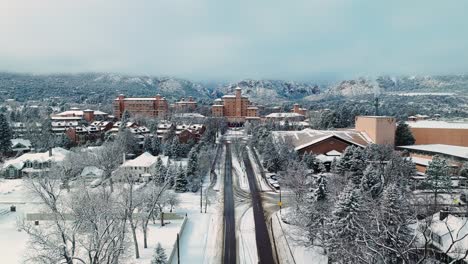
[437,124]
[58,154]
[25,142]
[283,115]
[145,160]
[92,170]
[308,137]
[450,150]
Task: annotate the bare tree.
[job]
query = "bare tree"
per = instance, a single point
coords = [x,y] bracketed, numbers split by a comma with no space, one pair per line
[172,200]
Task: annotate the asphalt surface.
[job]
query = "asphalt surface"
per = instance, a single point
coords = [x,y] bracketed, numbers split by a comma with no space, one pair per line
[264,248]
[229,249]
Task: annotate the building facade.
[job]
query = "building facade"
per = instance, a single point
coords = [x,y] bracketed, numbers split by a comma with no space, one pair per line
[185,105]
[439,132]
[236,108]
[151,106]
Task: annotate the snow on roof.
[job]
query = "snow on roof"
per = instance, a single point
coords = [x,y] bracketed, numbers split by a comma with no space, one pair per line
[75,112]
[92,170]
[450,150]
[65,117]
[458,227]
[307,137]
[324,158]
[192,115]
[58,154]
[282,115]
[145,160]
[420,161]
[24,142]
[437,124]
[333,153]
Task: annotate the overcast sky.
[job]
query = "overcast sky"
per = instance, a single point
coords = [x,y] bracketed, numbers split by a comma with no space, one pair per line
[218,39]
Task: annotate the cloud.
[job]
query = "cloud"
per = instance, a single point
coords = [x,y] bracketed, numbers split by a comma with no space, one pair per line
[208,39]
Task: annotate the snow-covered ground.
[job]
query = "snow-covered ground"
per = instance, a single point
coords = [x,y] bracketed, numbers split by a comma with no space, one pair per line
[238,171]
[247,246]
[166,235]
[13,243]
[290,243]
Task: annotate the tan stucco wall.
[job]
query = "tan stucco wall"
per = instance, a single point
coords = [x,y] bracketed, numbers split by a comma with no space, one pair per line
[458,137]
[380,129]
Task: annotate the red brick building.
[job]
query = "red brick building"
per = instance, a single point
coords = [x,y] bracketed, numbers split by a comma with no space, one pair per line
[151,106]
[236,108]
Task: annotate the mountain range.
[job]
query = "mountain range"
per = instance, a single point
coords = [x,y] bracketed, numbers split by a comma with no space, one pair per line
[103,87]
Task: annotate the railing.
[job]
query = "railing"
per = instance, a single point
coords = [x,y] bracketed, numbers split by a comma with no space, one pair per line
[172,256]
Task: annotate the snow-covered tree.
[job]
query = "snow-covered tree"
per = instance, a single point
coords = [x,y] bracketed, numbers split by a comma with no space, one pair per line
[345,226]
[180,180]
[192,164]
[156,147]
[309,160]
[5,135]
[147,145]
[123,121]
[321,192]
[438,177]
[372,181]
[159,255]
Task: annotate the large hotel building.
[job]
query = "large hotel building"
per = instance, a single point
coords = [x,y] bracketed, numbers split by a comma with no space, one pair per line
[236,108]
[152,106]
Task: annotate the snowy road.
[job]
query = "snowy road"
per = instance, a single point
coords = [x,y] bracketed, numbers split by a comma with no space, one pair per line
[230,249]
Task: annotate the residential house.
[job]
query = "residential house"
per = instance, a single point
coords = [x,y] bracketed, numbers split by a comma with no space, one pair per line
[140,168]
[31,164]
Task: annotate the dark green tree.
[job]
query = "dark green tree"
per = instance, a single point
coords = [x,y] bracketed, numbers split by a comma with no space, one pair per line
[403,135]
[5,135]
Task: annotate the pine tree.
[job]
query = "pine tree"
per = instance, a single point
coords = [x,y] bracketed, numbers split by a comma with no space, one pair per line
[321,167]
[372,180]
[180,180]
[147,145]
[5,135]
[123,121]
[309,160]
[156,147]
[345,224]
[159,255]
[159,172]
[394,211]
[177,150]
[345,162]
[403,135]
[322,188]
[192,164]
[438,177]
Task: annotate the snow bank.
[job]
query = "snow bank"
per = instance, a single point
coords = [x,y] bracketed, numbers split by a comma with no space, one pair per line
[289,242]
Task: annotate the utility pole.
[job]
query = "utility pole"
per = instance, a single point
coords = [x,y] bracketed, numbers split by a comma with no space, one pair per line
[376,104]
[280,202]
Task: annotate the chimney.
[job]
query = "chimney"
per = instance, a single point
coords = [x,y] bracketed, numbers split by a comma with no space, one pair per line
[296,108]
[238,92]
[443,214]
[88,115]
[50,152]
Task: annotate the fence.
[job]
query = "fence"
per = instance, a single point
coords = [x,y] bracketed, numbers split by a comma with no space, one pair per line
[282,242]
[173,256]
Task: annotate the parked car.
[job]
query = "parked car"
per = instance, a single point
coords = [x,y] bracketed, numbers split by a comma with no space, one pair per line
[276,186]
[271,181]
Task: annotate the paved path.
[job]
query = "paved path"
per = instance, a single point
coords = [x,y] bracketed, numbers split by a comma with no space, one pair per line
[230,250]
